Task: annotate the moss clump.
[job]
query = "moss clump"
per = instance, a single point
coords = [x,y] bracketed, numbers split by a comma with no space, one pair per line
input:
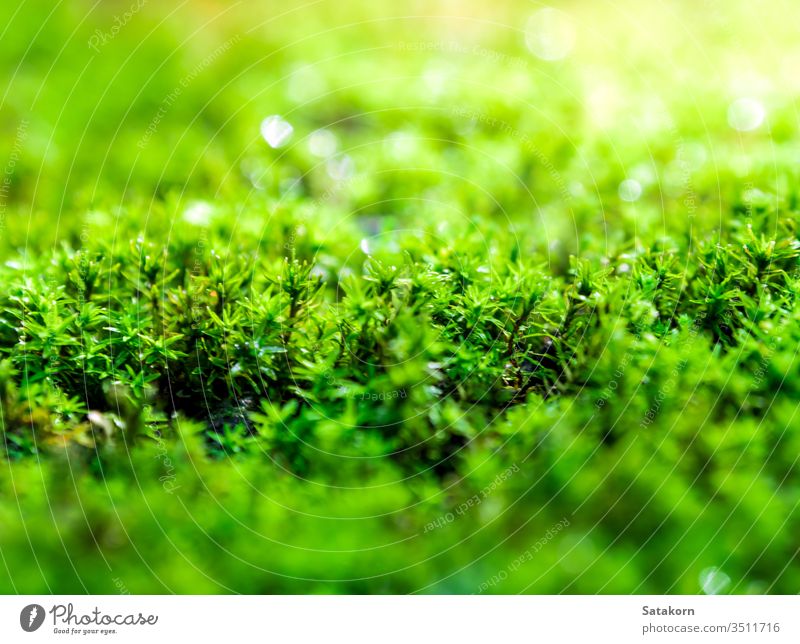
[462,320]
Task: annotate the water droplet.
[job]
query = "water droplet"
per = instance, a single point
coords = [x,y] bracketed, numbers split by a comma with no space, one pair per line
[694,154]
[630,190]
[305,84]
[341,168]
[198,213]
[255,171]
[435,78]
[746,114]
[322,143]
[713,581]
[320,271]
[550,34]
[276,131]
[400,145]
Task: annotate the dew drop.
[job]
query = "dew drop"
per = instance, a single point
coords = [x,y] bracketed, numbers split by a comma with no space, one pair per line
[630,190]
[340,168]
[550,34]
[198,213]
[746,114]
[322,143]
[713,581]
[276,131]
[400,145]
[305,84]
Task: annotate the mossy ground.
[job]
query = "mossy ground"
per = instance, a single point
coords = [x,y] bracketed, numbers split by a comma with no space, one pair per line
[482,323]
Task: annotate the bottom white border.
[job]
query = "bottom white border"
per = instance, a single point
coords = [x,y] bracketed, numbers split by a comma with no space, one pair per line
[400,619]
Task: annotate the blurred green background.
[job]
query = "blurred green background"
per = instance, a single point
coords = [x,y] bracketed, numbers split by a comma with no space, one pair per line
[578,128]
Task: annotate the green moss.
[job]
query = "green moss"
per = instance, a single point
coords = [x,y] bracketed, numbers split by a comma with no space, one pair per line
[395,366]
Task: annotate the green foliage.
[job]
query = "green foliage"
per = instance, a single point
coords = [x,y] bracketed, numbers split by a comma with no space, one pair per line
[281,369]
